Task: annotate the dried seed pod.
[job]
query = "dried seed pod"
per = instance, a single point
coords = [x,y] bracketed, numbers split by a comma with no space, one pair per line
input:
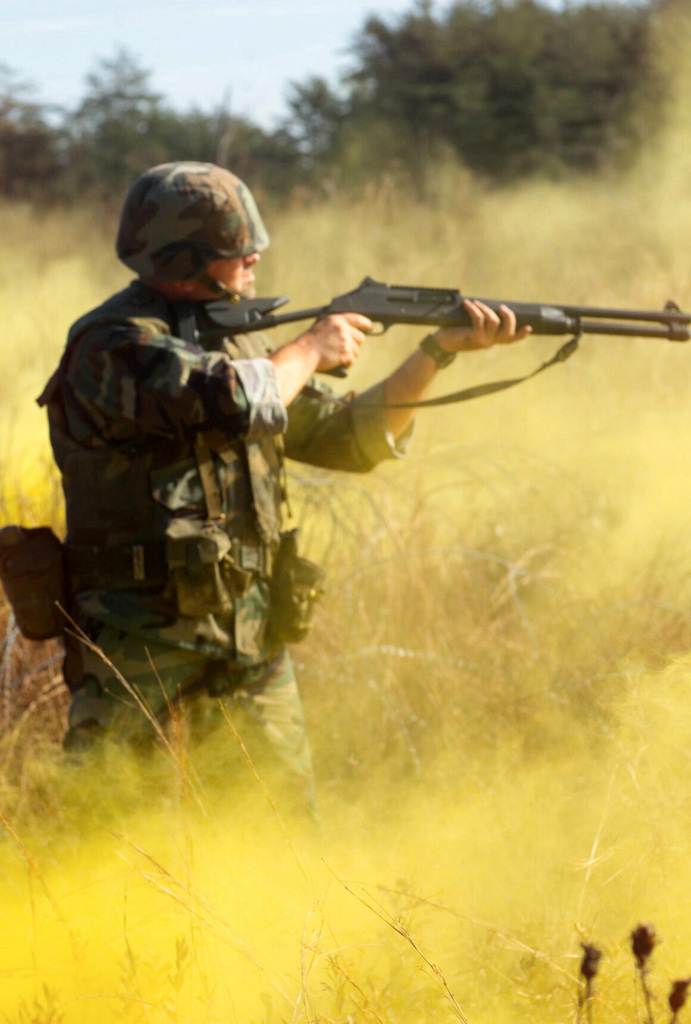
[590,961]
[677,996]
[643,941]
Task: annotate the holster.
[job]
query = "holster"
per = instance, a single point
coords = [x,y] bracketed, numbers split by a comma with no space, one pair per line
[296,586]
[33,576]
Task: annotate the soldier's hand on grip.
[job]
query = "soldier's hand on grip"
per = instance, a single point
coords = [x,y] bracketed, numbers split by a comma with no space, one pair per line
[337,338]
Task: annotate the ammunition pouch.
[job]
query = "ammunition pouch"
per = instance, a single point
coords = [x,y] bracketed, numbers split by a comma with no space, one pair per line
[33,576]
[296,586]
[196,553]
[208,569]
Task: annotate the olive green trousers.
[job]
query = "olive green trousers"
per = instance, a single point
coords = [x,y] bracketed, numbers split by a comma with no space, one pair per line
[128,687]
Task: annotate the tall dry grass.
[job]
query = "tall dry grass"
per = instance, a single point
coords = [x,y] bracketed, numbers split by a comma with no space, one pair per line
[497,686]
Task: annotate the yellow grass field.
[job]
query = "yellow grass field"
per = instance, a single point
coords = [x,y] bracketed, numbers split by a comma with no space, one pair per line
[498,685]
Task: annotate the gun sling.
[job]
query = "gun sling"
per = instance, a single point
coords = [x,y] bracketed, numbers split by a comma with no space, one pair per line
[478,391]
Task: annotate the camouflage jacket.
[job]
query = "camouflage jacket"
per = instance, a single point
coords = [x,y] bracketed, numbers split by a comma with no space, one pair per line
[160,440]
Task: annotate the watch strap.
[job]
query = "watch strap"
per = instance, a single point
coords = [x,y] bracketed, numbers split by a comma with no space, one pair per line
[431,347]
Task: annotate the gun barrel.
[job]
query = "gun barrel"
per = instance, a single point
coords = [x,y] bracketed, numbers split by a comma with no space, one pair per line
[671,331]
[670,324]
[664,316]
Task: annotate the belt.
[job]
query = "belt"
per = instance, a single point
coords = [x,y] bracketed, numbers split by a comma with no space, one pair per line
[134,566]
[118,566]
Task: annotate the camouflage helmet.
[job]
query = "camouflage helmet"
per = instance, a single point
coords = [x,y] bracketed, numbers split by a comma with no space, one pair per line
[179,217]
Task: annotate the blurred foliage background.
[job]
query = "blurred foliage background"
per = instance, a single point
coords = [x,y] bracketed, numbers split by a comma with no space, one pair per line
[506,88]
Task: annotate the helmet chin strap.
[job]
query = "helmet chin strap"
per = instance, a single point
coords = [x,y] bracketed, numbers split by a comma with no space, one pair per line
[217,287]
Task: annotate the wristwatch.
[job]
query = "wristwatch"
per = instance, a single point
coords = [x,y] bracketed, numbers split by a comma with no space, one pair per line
[433,349]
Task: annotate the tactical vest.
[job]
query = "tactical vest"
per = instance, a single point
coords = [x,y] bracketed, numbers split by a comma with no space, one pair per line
[201,515]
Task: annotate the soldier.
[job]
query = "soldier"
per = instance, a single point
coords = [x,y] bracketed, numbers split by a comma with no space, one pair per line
[172,459]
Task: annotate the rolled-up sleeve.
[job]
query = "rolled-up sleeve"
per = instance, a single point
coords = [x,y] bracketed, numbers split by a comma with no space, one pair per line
[350,434]
[124,379]
[372,435]
[267,413]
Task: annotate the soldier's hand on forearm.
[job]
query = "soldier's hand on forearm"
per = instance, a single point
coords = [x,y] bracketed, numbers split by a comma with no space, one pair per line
[487,328]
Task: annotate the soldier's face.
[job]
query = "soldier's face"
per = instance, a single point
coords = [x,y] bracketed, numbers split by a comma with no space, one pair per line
[235,273]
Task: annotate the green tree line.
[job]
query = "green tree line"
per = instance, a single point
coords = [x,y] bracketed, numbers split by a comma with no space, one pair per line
[505,87]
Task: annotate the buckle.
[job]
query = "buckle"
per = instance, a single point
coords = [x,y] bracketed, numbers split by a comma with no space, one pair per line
[254,558]
[251,558]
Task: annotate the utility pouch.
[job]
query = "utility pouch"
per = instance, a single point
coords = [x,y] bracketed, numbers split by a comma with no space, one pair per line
[33,576]
[296,586]
[196,554]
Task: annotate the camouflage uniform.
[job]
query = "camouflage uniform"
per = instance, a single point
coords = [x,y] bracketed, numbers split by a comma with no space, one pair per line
[172,458]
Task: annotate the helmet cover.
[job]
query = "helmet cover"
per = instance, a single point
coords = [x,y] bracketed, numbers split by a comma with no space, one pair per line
[178,218]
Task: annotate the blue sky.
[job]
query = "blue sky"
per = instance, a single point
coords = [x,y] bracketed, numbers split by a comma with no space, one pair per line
[199,51]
